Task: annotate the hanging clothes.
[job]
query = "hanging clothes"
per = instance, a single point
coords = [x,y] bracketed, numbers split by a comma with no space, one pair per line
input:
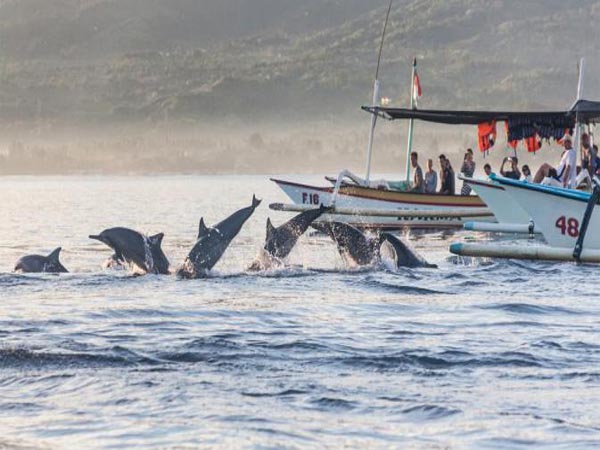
[533,143]
[512,144]
[486,132]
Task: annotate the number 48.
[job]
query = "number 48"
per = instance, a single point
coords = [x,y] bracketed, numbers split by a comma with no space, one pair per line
[568,226]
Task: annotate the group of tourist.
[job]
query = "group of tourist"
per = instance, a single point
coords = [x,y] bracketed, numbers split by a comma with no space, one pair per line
[427,183]
[566,174]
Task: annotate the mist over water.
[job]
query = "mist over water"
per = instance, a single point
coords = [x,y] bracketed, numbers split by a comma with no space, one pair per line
[475,354]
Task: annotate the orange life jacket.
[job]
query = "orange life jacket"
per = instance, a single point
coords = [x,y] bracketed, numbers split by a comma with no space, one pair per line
[486,132]
[533,144]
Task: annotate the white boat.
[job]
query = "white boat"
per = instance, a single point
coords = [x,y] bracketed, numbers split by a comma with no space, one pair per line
[438,211]
[506,210]
[556,212]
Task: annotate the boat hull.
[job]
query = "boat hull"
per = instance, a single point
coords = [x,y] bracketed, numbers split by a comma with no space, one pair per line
[557,213]
[499,201]
[357,197]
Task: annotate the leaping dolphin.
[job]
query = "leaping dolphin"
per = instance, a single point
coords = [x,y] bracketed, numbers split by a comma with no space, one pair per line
[212,242]
[281,240]
[355,247]
[40,263]
[143,252]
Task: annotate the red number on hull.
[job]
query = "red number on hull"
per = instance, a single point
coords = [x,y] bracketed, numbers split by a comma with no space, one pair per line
[569,226]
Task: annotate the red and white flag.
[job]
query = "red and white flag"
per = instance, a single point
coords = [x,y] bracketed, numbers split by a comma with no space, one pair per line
[417,91]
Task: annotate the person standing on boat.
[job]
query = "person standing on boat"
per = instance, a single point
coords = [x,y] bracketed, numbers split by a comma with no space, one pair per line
[467,169]
[447,176]
[566,172]
[418,182]
[589,155]
[514,172]
[526,173]
[430,178]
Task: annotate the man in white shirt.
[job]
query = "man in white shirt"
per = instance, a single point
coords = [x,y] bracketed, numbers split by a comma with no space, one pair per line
[566,172]
[567,169]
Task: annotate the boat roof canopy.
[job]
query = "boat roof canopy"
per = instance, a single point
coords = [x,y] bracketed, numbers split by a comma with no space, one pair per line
[584,110]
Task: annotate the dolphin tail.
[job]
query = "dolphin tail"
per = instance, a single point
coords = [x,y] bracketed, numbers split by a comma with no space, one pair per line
[255,202]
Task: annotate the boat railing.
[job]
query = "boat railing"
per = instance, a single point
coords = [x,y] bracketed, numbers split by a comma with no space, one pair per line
[338,183]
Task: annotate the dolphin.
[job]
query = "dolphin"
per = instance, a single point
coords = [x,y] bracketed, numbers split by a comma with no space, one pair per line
[141,251]
[212,242]
[402,254]
[352,244]
[281,240]
[356,247]
[39,263]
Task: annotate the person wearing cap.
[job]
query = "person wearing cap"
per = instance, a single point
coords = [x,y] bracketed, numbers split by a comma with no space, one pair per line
[566,171]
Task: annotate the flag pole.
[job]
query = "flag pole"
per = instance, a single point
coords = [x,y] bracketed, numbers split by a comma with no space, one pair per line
[376,89]
[578,125]
[410,123]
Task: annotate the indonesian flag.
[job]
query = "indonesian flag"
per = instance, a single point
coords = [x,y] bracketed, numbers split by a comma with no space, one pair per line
[417,91]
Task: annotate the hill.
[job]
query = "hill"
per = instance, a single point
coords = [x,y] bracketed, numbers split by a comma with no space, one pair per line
[164,66]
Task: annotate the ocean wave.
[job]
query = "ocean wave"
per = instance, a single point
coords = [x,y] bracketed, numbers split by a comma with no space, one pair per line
[443,361]
[528,308]
[25,358]
[429,412]
[330,403]
[284,393]
[398,288]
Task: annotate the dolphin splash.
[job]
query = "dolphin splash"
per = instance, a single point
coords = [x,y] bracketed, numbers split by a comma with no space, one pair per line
[143,253]
[281,240]
[357,249]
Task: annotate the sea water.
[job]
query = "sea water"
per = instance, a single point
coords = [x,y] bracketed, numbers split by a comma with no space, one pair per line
[496,354]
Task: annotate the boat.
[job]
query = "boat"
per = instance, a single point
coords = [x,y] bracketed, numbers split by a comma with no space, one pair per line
[557,212]
[409,209]
[366,197]
[506,210]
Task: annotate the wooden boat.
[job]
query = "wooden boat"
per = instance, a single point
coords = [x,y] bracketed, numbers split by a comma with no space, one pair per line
[449,211]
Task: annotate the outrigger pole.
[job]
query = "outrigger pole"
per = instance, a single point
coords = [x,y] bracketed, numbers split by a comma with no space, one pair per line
[376,88]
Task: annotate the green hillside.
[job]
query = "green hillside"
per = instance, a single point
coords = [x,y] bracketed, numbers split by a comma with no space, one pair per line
[139,60]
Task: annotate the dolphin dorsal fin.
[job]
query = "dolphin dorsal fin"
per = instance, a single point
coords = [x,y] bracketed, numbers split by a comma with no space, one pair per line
[55,254]
[270,227]
[157,239]
[202,228]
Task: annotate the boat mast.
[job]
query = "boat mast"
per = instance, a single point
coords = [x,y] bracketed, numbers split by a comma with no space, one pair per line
[376,88]
[578,125]
[411,123]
